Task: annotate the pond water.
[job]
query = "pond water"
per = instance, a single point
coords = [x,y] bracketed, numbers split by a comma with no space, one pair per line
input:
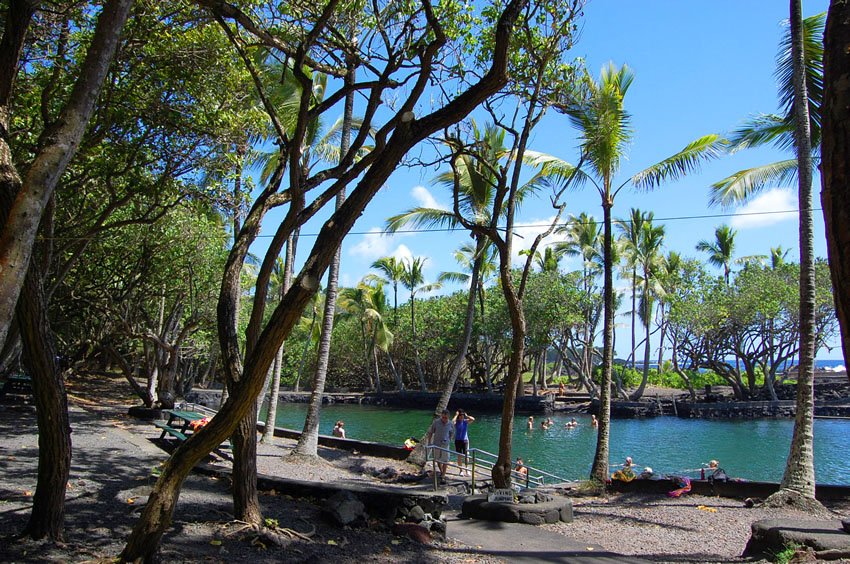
[751,449]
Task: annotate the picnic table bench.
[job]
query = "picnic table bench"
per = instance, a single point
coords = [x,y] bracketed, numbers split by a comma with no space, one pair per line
[179,423]
[169,430]
[17,384]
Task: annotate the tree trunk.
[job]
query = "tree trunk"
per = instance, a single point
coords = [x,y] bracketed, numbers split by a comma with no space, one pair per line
[599,469]
[835,155]
[60,141]
[422,385]
[502,469]
[10,355]
[308,442]
[274,396]
[647,312]
[274,391]
[54,430]
[662,333]
[634,315]
[800,471]
[399,383]
[246,504]
[304,350]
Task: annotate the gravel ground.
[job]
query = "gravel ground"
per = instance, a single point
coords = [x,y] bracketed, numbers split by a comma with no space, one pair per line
[115,463]
[691,528]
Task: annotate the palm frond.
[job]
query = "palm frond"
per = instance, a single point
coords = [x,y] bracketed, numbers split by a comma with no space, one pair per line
[685,161]
[453,278]
[426,288]
[422,217]
[813,29]
[762,129]
[744,184]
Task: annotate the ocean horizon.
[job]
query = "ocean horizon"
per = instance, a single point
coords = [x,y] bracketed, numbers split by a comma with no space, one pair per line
[822,365]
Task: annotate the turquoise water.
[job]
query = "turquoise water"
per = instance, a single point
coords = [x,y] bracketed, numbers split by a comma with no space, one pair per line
[752,449]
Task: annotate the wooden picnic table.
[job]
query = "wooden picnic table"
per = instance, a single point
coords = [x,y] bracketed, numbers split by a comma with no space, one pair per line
[19,384]
[179,426]
[179,423]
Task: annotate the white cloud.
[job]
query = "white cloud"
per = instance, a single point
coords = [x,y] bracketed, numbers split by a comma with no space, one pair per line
[425,199]
[402,253]
[524,234]
[761,211]
[377,244]
[373,245]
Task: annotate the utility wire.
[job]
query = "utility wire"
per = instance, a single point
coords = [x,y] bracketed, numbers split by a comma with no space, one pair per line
[529,226]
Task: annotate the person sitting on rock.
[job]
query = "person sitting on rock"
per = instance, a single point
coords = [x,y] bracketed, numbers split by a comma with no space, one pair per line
[715,472]
[626,473]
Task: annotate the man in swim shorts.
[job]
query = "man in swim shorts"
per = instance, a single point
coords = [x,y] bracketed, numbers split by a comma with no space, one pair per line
[441,434]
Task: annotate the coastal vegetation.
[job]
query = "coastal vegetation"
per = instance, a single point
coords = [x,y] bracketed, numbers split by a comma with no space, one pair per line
[146,149]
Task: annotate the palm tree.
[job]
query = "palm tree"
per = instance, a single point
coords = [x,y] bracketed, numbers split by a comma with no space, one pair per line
[584,239]
[670,274]
[413,279]
[471,260]
[800,76]
[834,196]
[720,250]
[367,304]
[798,481]
[381,338]
[332,148]
[311,330]
[472,183]
[281,280]
[649,260]
[778,130]
[630,233]
[777,256]
[392,271]
[548,260]
[605,131]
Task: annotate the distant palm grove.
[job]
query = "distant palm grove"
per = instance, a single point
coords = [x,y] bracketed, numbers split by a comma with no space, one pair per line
[146,148]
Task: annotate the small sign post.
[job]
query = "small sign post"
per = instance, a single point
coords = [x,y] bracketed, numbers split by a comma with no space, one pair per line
[501,496]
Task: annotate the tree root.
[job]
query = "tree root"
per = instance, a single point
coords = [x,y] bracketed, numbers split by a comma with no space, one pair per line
[307,460]
[260,535]
[791,498]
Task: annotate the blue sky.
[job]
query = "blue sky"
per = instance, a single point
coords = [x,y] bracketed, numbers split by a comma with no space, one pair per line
[700,67]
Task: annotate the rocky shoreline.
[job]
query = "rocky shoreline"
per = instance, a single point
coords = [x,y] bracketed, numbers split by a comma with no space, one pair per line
[832,399]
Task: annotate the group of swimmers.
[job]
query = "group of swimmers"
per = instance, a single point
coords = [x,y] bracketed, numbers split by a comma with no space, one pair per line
[548,422]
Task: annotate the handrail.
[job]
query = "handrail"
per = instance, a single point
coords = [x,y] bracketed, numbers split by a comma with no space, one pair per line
[530,468]
[534,477]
